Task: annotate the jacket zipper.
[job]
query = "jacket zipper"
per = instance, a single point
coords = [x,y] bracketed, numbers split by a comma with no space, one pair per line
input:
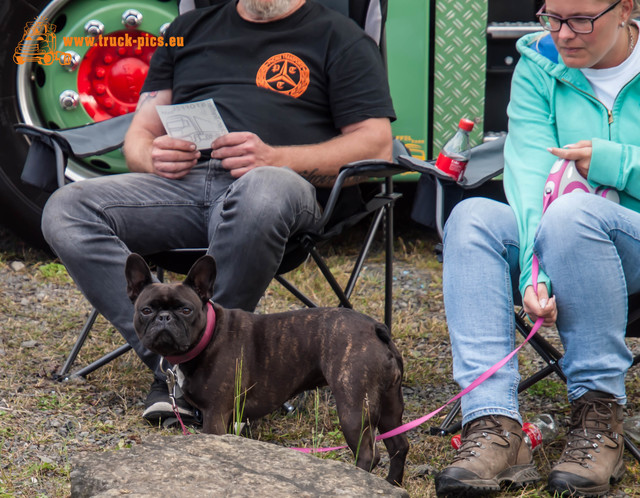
[609,112]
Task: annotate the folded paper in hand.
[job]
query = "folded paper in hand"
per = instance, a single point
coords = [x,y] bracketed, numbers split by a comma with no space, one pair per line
[198,122]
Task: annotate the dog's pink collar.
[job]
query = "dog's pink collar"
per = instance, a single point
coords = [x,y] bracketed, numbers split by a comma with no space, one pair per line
[204,341]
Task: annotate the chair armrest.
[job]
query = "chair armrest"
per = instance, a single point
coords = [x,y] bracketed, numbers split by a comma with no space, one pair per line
[373,168]
[89,140]
[487,162]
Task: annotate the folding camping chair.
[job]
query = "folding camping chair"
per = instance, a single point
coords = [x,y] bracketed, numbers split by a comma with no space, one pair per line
[486,164]
[50,147]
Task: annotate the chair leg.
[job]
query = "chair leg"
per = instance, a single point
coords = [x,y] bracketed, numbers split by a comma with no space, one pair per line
[364,252]
[82,337]
[344,300]
[109,357]
[633,449]
[388,281]
[63,374]
[547,352]
[448,426]
[295,291]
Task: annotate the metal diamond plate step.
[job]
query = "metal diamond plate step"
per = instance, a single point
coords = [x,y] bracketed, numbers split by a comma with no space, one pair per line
[460,66]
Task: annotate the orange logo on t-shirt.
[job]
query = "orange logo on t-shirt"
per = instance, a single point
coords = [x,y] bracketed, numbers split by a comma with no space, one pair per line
[284,73]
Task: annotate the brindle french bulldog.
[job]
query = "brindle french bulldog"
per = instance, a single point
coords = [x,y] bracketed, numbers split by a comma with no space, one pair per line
[281,355]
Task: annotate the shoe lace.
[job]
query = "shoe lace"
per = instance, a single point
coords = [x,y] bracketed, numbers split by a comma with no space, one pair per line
[590,424]
[477,433]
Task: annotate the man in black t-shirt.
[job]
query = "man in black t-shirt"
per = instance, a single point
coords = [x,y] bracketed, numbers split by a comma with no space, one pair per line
[302,91]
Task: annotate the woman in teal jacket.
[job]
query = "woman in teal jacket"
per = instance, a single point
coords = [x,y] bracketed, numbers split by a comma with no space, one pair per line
[575,95]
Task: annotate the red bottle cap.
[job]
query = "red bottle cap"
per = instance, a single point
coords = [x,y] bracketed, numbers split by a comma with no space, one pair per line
[456,441]
[466,124]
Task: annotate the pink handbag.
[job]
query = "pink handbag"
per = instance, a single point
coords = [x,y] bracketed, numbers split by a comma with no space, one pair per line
[564,178]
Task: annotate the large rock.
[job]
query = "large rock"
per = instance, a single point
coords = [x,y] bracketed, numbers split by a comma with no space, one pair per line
[206,465]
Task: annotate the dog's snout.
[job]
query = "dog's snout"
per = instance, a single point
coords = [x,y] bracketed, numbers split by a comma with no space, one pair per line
[163,316]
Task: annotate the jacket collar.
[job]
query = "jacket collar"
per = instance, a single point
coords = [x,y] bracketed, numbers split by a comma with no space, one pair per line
[540,49]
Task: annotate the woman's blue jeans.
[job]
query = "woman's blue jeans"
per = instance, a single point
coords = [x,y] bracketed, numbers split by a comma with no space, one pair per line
[93,225]
[590,249]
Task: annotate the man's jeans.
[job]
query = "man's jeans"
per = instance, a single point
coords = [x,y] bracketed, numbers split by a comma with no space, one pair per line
[94,224]
[590,249]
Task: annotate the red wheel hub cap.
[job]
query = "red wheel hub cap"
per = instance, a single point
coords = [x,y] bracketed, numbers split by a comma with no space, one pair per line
[111,75]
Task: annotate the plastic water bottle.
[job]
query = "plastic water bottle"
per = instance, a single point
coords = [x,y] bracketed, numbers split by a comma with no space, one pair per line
[542,428]
[455,154]
[632,427]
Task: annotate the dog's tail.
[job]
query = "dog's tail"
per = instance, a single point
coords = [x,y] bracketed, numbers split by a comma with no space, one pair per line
[383,333]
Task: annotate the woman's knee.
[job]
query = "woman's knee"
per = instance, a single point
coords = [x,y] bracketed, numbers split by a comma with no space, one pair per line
[478,215]
[567,218]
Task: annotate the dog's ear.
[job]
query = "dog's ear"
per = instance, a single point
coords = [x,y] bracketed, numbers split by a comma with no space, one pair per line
[201,277]
[138,275]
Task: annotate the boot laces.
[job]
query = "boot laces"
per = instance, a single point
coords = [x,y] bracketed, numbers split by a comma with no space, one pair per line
[478,434]
[590,422]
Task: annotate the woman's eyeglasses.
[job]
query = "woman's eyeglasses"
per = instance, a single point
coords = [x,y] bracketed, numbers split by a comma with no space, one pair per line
[582,25]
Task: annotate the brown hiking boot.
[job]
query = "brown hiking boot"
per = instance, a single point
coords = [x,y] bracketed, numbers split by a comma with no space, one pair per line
[493,451]
[592,457]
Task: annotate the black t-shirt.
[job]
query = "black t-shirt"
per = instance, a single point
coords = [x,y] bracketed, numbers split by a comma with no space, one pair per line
[294,81]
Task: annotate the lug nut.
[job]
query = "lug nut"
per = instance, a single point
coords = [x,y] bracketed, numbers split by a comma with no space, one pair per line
[164,27]
[132,18]
[75,61]
[69,100]
[94,28]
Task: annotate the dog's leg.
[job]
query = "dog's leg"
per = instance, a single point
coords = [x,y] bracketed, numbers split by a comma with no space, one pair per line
[215,422]
[392,406]
[358,419]
[360,440]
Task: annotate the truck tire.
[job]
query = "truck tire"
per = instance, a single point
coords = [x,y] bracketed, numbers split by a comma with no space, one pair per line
[20,205]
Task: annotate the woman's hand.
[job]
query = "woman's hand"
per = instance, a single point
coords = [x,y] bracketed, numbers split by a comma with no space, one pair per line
[580,152]
[540,305]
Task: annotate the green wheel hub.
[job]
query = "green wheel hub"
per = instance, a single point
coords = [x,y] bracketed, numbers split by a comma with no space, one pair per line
[101,81]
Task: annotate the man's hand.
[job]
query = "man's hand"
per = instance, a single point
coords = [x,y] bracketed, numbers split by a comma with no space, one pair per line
[173,158]
[580,152]
[241,152]
[540,305]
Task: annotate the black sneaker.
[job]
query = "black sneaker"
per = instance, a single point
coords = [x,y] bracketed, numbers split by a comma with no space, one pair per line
[158,407]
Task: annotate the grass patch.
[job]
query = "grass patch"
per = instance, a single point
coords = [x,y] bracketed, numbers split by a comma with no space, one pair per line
[547,388]
[54,273]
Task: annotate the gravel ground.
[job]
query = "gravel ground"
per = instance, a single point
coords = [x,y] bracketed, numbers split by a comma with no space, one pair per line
[42,421]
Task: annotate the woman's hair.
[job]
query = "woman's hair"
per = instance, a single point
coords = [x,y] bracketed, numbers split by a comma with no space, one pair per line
[635,10]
